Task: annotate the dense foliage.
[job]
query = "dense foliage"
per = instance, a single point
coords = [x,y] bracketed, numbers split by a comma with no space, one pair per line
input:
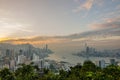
[89,71]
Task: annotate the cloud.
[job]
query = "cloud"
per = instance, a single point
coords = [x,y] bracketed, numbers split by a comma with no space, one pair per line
[109,27]
[9,27]
[108,23]
[108,33]
[87,5]
[35,40]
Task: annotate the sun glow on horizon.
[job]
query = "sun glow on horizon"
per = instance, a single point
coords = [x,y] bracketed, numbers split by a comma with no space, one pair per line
[4,39]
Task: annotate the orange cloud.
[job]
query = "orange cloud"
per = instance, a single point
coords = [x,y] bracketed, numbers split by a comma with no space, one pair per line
[88,4]
[34,40]
[4,39]
[85,6]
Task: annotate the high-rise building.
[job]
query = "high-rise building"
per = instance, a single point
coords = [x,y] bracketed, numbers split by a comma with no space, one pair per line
[46,65]
[102,63]
[112,62]
[30,51]
[12,64]
[41,67]
[35,57]
[21,59]
[20,52]
[1,63]
[87,51]
[46,47]
[8,52]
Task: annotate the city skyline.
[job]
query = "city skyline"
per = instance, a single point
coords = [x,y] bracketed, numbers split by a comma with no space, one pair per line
[65,25]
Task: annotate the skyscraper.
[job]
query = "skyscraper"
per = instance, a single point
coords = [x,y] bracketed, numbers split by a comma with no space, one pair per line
[8,53]
[87,51]
[112,61]
[46,48]
[102,63]
[35,57]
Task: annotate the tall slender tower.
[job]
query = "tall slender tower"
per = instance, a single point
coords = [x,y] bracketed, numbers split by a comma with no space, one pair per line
[46,47]
[87,51]
[29,55]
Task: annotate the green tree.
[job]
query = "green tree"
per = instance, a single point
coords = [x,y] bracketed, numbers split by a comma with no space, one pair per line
[6,74]
[112,72]
[89,66]
[26,72]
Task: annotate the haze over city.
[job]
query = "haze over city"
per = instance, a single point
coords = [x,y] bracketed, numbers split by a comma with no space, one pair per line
[65,25]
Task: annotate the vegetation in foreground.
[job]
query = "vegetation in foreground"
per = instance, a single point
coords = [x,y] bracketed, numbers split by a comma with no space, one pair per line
[89,71]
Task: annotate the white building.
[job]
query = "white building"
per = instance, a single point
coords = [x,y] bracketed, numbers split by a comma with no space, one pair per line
[46,65]
[35,57]
[21,59]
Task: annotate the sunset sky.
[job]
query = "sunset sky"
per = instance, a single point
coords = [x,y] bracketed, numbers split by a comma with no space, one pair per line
[29,18]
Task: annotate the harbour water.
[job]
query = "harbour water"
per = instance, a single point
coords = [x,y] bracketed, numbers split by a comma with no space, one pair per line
[76,59]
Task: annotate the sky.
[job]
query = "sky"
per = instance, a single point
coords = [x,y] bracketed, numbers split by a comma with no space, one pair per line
[29,18]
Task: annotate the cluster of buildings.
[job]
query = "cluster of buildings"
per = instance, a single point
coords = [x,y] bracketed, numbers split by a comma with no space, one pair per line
[103,63]
[11,59]
[89,51]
